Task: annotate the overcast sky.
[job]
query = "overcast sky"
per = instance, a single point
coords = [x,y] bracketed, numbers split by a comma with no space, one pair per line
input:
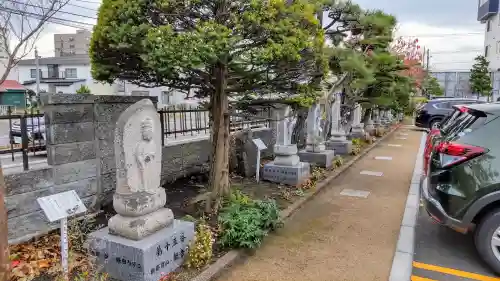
[428,20]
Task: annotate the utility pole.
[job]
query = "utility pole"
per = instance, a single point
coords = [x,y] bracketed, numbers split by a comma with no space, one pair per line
[428,57]
[423,59]
[4,241]
[37,73]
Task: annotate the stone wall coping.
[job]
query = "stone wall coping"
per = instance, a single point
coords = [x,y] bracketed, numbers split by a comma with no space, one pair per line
[55,99]
[204,137]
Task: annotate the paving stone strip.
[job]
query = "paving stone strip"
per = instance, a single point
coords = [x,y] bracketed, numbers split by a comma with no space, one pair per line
[335,237]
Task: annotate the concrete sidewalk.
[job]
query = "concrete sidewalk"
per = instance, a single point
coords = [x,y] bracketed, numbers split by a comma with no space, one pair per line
[337,237]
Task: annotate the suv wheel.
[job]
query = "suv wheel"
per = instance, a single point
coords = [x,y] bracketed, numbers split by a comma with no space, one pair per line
[434,123]
[487,240]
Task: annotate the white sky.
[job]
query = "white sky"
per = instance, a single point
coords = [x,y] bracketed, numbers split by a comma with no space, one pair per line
[447,52]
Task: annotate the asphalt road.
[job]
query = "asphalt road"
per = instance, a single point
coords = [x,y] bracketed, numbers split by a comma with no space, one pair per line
[442,254]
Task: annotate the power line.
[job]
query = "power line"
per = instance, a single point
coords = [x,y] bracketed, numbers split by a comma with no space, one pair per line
[82,7]
[55,20]
[458,51]
[64,12]
[429,35]
[86,1]
[453,62]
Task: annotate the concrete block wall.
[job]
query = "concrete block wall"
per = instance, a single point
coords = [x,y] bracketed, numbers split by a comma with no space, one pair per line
[192,157]
[80,152]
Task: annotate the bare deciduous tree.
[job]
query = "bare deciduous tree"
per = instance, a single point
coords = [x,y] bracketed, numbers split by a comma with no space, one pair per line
[21,23]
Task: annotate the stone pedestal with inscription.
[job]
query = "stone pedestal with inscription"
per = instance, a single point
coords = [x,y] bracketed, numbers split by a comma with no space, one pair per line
[357,129]
[369,126]
[130,260]
[321,159]
[338,141]
[315,152]
[143,232]
[384,119]
[286,167]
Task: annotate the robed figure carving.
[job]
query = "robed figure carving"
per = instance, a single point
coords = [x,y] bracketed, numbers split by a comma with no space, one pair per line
[139,199]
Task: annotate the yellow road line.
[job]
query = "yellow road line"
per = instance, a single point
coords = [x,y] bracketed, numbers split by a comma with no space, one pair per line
[450,271]
[417,278]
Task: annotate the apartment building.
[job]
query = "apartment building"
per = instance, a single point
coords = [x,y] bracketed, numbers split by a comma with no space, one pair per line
[72,44]
[487,13]
[66,74]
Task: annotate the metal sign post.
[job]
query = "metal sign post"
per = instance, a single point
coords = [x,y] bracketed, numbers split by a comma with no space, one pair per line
[59,207]
[260,146]
[64,248]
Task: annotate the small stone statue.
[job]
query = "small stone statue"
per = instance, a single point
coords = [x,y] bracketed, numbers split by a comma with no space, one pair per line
[139,199]
[145,155]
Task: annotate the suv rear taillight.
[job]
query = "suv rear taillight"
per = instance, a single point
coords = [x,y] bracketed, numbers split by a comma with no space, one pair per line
[428,147]
[452,154]
[463,109]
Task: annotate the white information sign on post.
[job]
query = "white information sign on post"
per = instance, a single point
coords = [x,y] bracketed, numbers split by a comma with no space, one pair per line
[59,207]
[260,146]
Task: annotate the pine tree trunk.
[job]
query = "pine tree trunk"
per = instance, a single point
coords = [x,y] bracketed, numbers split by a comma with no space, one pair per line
[4,243]
[219,166]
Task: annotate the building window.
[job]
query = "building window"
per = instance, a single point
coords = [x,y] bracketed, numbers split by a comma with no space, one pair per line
[488,26]
[71,39]
[486,51]
[167,97]
[70,73]
[33,73]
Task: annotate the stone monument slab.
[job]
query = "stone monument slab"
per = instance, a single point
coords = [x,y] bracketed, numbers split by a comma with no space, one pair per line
[322,159]
[290,175]
[286,167]
[142,241]
[340,147]
[338,140]
[357,130]
[131,260]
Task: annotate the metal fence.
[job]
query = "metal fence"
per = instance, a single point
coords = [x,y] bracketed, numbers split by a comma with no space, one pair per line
[22,133]
[183,121]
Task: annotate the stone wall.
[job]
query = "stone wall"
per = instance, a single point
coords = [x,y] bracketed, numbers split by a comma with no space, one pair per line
[80,154]
[192,157]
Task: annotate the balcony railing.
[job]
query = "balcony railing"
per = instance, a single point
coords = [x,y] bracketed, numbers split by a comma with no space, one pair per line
[54,75]
[487,9]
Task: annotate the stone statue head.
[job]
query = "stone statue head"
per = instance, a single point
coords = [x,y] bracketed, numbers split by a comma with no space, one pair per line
[147,129]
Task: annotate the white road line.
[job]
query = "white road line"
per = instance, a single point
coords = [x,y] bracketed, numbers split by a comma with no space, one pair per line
[383,158]
[394,145]
[371,173]
[354,193]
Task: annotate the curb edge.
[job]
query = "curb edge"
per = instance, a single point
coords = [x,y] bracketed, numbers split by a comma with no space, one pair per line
[402,263]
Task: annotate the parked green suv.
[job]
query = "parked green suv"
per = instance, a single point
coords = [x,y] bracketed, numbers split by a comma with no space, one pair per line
[461,188]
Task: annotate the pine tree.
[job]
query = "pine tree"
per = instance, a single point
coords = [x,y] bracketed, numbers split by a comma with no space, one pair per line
[216,49]
[480,80]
